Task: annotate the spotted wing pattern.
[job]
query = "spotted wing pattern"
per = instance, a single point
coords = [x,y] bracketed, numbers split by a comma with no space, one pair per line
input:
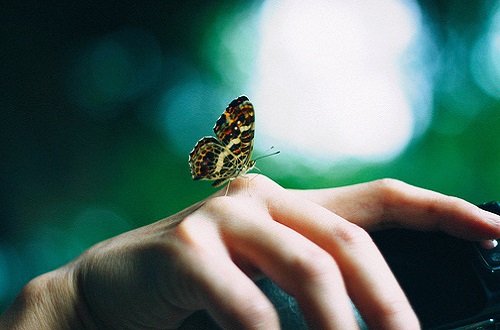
[229,154]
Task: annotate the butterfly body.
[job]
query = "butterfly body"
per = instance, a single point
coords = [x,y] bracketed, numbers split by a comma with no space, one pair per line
[228,154]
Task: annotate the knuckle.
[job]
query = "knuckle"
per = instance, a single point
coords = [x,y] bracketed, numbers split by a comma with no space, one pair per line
[454,202]
[390,192]
[388,186]
[183,232]
[191,235]
[399,314]
[313,264]
[353,235]
[214,205]
[222,209]
[253,182]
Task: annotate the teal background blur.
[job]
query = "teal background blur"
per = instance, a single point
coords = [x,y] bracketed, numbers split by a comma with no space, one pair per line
[86,153]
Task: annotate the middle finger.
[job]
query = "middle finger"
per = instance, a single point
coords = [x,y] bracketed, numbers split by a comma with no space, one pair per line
[300,267]
[369,280]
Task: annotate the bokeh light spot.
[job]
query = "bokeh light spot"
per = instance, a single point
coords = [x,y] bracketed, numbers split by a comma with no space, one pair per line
[114,69]
[485,57]
[330,78]
[230,45]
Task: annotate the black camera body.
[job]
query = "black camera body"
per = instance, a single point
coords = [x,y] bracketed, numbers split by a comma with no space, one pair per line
[451,283]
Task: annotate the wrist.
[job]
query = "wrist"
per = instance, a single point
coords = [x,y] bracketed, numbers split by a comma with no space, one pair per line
[49,301]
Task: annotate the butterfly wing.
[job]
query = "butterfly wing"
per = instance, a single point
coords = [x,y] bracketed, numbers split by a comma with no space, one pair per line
[235,130]
[229,154]
[210,160]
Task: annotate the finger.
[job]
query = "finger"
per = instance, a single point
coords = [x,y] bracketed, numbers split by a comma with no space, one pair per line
[210,280]
[294,263]
[489,244]
[369,281]
[391,203]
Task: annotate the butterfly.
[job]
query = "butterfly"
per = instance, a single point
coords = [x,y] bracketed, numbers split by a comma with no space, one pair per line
[229,154]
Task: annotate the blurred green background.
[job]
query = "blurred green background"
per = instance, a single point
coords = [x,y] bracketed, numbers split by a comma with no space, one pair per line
[101,103]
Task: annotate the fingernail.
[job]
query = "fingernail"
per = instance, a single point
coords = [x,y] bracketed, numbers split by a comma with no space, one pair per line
[490,244]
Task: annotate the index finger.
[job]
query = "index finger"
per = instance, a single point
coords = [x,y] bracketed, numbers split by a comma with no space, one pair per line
[391,203]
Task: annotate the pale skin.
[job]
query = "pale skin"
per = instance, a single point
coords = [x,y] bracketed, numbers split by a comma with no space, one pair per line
[314,244]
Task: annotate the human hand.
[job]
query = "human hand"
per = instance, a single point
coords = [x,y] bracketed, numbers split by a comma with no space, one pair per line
[312,243]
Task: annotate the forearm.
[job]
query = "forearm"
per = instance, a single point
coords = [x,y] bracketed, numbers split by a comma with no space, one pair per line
[49,301]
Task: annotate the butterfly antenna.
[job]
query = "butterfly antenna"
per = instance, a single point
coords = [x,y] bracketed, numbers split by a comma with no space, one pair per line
[268,153]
